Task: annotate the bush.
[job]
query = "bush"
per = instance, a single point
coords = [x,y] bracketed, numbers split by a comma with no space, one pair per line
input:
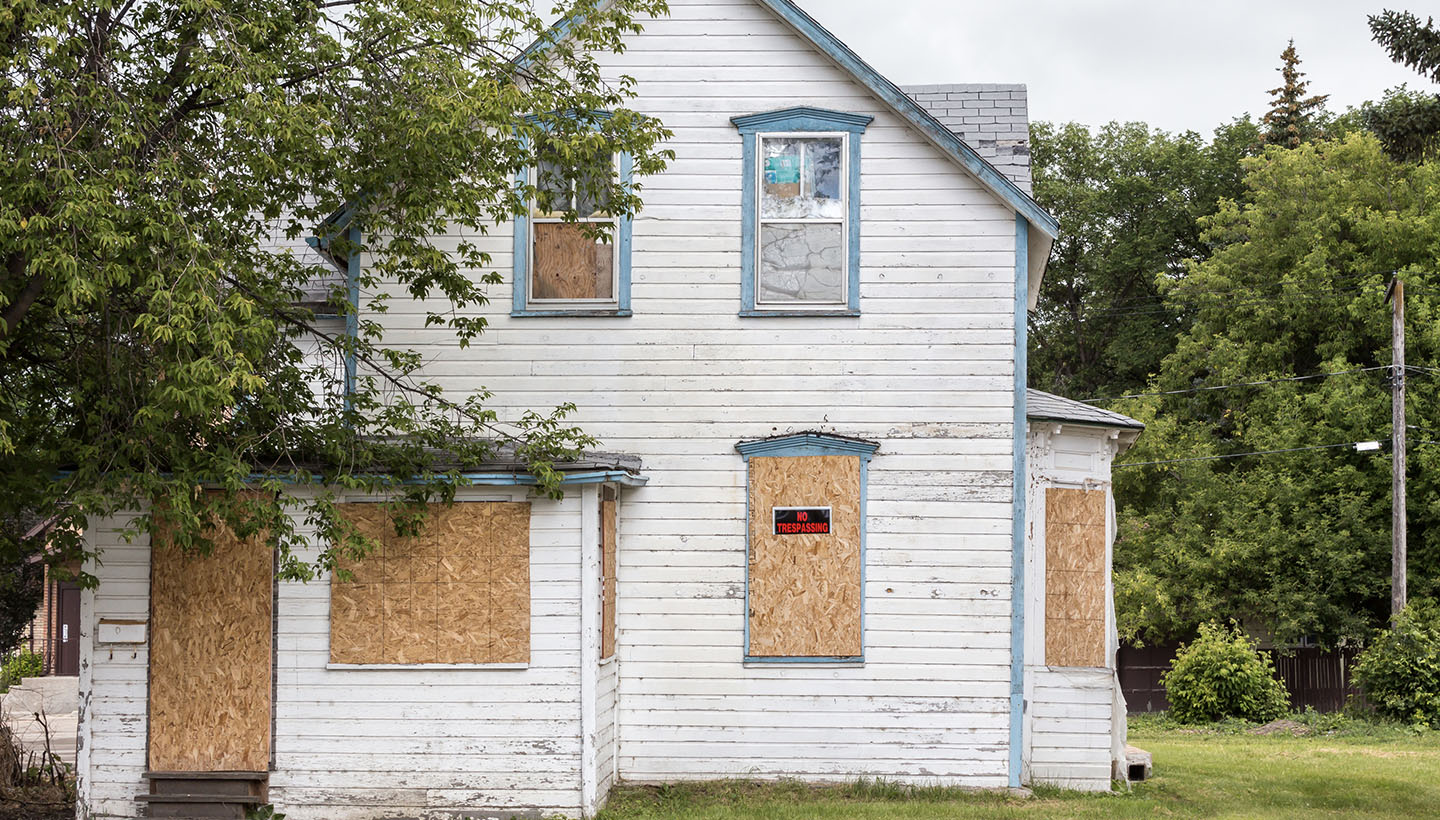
[1400,670]
[1220,675]
[20,665]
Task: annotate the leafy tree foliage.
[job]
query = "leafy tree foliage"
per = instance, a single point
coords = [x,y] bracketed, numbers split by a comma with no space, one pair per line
[1129,200]
[1400,669]
[1293,543]
[153,156]
[1407,123]
[21,583]
[1293,118]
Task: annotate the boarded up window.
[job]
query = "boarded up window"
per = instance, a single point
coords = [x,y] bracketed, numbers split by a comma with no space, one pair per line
[571,265]
[457,593]
[805,590]
[566,263]
[1074,577]
[210,655]
[607,572]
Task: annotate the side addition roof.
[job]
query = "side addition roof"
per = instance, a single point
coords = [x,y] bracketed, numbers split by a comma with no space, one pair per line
[1042,406]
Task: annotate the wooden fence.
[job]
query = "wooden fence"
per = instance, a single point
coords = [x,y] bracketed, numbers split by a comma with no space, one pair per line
[1316,678]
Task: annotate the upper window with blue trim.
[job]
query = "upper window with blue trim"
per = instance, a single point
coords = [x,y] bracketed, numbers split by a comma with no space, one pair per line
[801,198]
[572,249]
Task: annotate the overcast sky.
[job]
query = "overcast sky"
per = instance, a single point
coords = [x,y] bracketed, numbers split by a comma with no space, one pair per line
[1175,64]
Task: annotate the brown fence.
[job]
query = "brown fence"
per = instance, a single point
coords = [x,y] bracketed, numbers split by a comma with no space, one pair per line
[1316,678]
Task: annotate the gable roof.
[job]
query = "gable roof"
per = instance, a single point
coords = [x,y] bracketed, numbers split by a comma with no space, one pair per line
[946,140]
[1042,406]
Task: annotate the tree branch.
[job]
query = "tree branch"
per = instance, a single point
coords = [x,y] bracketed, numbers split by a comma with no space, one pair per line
[15,311]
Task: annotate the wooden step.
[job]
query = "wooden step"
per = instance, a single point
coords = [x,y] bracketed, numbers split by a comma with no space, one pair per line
[195,806]
[203,795]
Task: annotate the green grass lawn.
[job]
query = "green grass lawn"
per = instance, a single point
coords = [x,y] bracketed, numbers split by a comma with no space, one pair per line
[1356,771]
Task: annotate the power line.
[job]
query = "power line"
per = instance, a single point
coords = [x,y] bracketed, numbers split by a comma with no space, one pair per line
[1238,455]
[1241,384]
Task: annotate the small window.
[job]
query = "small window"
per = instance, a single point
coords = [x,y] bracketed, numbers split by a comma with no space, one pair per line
[802,221]
[801,228]
[578,265]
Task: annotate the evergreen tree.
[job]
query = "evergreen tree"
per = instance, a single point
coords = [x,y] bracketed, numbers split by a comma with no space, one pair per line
[1407,123]
[1293,118]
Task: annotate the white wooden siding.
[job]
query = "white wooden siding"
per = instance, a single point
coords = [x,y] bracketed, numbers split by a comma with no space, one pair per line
[114,678]
[363,743]
[1069,728]
[927,370]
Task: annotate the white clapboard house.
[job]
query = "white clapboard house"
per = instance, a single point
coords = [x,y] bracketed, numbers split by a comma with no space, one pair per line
[824,541]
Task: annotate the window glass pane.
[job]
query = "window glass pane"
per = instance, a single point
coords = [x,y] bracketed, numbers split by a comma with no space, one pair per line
[570,265]
[801,178]
[801,263]
[552,188]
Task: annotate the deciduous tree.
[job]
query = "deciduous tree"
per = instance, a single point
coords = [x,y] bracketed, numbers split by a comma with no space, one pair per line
[1293,543]
[159,162]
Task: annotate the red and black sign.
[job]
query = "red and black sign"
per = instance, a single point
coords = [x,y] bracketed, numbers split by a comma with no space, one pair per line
[802,520]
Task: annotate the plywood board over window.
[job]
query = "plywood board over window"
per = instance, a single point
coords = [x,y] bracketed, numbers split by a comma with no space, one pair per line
[210,654]
[608,537]
[805,588]
[1075,570]
[457,593]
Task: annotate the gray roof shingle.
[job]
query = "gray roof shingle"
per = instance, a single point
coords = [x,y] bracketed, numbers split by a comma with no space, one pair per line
[1042,406]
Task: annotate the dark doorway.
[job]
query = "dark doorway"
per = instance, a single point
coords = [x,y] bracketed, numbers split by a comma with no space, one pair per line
[67,629]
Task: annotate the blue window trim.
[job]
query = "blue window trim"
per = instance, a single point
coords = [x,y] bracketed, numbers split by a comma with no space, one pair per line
[344,220]
[801,118]
[1018,510]
[808,444]
[624,238]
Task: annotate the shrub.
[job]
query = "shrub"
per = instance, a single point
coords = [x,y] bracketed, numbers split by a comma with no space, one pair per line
[1220,675]
[20,665]
[1400,670]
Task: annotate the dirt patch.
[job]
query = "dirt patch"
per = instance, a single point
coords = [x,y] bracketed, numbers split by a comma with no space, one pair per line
[36,803]
[1282,727]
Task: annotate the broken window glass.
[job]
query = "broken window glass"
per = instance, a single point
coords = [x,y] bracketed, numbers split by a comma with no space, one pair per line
[572,260]
[801,178]
[802,262]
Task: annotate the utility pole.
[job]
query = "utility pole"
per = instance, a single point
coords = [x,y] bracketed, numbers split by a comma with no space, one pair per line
[1397,420]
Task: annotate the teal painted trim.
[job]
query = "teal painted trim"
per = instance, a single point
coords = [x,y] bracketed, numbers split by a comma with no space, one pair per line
[352,316]
[625,238]
[550,314]
[1017,507]
[912,111]
[800,118]
[805,658]
[520,254]
[749,229]
[796,314]
[555,34]
[621,477]
[809,444]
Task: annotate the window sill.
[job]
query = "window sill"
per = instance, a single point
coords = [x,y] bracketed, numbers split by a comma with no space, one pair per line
[605,313]
[795,314]
[426,666]
[805,663]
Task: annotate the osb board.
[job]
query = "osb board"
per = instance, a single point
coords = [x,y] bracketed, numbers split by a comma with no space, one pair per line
[805,592]
[210,655]
[458,592]
[1074,577]
[571,265]
[607,577]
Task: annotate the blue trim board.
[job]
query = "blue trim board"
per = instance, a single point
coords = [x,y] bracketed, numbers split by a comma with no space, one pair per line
[943,137]
[1018,511]
[520,253]
[799,118]
[352,316]
[808,444]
